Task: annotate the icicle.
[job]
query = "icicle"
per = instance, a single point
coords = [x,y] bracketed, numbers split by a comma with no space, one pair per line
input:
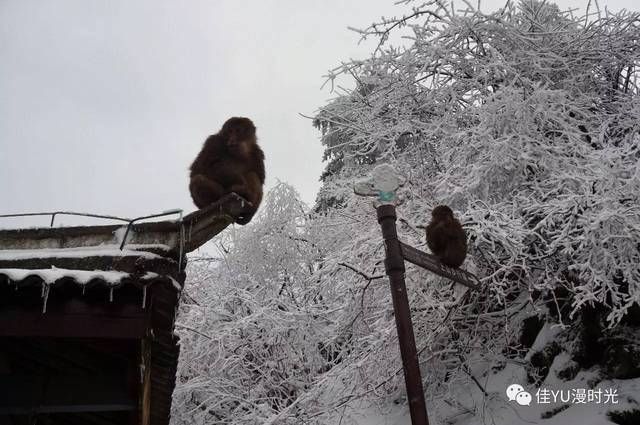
[111,295]
[144,296]
[142,367]
[175,283]
[46,298]
[42,289]
[84,287]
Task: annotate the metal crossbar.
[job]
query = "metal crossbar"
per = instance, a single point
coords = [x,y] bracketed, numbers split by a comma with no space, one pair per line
[53,215]
[162,214]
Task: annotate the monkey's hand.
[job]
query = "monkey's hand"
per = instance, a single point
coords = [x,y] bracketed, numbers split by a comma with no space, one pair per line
[248,209]
[241,190]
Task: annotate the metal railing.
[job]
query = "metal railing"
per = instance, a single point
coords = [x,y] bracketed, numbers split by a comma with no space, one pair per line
[53,215]
[162,214]
[129,221]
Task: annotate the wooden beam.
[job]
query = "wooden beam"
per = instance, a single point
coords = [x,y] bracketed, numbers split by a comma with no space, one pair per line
[27,394]
[71,314]
[200,226]
[433,263]
[35,324]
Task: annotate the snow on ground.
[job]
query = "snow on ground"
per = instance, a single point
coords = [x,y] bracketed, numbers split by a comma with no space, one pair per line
[397,415]
[495,409]
[467,404]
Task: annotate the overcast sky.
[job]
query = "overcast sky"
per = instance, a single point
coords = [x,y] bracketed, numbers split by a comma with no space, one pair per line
[104,104]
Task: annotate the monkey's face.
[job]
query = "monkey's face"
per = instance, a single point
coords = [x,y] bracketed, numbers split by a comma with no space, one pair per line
[240,136]
[240,142]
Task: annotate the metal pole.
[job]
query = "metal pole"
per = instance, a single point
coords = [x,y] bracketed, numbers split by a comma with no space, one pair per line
[394,266]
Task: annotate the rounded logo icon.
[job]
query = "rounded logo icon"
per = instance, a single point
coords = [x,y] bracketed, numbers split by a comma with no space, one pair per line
[523,398]
[513,391]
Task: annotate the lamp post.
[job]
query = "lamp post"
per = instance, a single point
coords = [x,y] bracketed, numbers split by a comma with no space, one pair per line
[383,184]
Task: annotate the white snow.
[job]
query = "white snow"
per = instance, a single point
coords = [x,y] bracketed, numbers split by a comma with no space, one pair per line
[547,334]
[497,410]
[120,232]
[384,178]
[51,275]
[154,275]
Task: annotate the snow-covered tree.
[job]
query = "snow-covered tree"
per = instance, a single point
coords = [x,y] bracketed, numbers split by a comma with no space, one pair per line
[249,332]
[526,121]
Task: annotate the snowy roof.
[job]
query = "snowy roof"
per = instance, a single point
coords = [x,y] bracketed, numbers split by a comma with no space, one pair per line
[185,234]
[97,254]
[84,282]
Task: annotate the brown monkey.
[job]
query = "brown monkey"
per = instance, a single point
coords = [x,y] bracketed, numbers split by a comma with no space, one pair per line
[230,161]
[446,238]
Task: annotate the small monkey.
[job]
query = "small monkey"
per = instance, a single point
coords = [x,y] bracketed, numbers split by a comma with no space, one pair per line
[446,238]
